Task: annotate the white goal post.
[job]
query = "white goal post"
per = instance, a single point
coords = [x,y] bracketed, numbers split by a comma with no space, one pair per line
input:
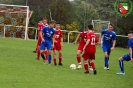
[7,12]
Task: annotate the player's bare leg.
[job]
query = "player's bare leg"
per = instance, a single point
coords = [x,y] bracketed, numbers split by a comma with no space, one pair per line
[42,55]
[54,57]
[79,59]
[60,57]
[106,60]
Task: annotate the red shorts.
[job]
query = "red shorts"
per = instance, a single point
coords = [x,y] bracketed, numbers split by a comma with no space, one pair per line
[57,46]
[81,46]
[88,56]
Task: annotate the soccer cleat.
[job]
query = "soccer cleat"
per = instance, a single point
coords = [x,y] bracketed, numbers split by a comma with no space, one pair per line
[91,69]
[108,68]
[55,64]
[105,68]
[94,72]
[60,64]
[86,72]
[120,73]
[79,67]
[34,51]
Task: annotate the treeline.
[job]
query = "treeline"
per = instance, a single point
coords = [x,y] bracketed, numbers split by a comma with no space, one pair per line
[71,14]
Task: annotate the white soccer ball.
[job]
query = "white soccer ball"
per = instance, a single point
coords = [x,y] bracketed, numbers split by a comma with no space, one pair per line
[73,66]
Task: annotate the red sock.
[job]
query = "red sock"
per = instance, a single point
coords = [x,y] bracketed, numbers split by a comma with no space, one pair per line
[60,58]
[38,55]
[54,60]
[78,59]
[46,54]
[86,67]
[92,65]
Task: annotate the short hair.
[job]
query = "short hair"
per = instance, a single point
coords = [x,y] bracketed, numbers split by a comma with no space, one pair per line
[112,24]
[45,18]
[90,27]
[130,32]
[52,22]
[40,19]
[57,22]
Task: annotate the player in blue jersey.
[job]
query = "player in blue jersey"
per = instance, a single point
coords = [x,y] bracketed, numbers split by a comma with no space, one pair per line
[127,57]
[47,35]
[108,41]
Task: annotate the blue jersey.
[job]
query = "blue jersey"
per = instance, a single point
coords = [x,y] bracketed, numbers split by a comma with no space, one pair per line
[47,34]
[108,37]
[130,44]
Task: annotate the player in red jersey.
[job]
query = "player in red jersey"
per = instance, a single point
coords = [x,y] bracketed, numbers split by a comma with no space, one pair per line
[41,24]
[90,50]
[82,35]
[58,44]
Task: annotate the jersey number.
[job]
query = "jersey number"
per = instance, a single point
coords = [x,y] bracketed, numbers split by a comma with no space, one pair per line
[93,41]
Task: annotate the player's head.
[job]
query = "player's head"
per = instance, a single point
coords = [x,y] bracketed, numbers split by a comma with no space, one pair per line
[40,20]
[57,26]
[52,24]
[90,27]
[45,20]
[130,34]
[111,27]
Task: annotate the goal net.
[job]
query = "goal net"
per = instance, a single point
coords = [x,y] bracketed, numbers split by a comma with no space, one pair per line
[99,25]
[14,21]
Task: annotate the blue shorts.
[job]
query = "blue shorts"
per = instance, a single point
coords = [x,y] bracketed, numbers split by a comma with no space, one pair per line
[126,57]
[45,45]
[106,49]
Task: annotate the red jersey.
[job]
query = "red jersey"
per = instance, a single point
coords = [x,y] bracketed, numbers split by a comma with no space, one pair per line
[40,26]
[90,48]
[58,35]
[83,37]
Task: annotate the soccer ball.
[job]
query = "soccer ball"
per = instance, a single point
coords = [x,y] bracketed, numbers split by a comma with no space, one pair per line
[73,66]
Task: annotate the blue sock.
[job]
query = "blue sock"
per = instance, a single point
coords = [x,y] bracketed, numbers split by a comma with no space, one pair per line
[43,57]
[121,65]
[49,59]
[106,62]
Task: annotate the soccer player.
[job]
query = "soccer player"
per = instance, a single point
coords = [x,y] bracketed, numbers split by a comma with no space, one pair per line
[127,57]
[48,36]
[41,24]
[58,44]
[90,50]
[82,35]
[108,41]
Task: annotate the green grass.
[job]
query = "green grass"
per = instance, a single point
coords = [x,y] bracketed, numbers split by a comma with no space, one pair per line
[19,69]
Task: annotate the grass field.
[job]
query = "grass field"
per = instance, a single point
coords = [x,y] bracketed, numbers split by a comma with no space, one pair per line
[19,69]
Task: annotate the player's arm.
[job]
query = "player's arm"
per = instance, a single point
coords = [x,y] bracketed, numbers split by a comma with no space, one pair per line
[41,36]
[76,39]
[114,42]
[87,42]
[100,39]
[61,41]
[130,52]
[53,39]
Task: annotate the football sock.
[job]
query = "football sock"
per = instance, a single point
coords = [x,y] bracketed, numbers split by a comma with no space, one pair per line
[92,65]
[43,57]
[60,58]
[121,65]
[79,59]
[54,59]
[49,59]
[38,54]
[106,62]
[46,54]
[86,66]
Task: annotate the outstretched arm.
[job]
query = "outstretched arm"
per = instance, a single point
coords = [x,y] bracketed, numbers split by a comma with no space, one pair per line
[76,39]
